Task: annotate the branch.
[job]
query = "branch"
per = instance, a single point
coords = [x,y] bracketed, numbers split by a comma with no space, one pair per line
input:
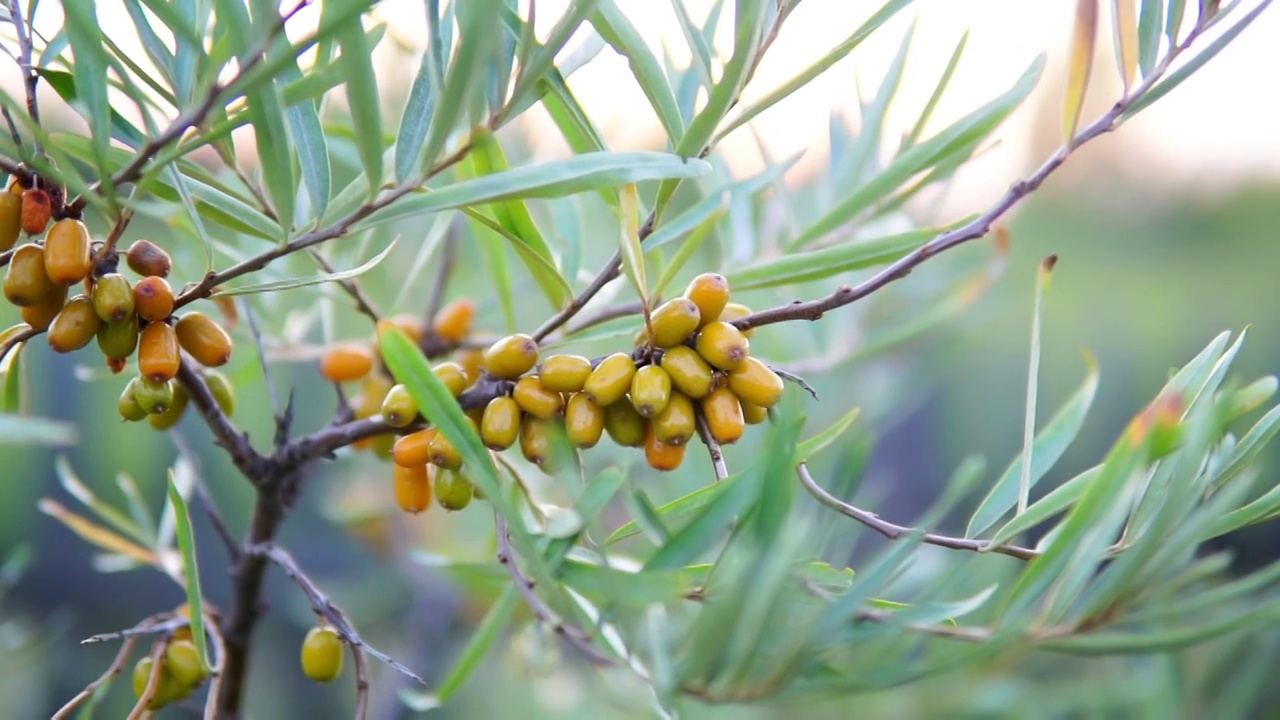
[895,532]
[250,463]
[713,447]
[29,76]
[117,664]
[605,315]
[153,683]
[352,288]
[158,623]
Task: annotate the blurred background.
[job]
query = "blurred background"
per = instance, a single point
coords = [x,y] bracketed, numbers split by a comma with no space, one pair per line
[1167,232]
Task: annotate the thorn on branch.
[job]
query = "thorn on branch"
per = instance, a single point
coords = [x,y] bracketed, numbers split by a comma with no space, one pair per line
[156,624]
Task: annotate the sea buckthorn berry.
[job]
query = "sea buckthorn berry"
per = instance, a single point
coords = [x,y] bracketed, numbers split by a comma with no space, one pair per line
[322,654]
[564,373]
[128,404]
[472,362]
[25,281]
[67,254]
[222,391]
[674,321]
[413,449]
[171,415]
[710,292]
[37,208]
[677,422]
[154,397]
[624,424]
[40,314]
[722,345]
[753,414]
[113,298]
[182,660]
[75,325]
[611,379]
[373,390]
[153,298]
[116,364]
[10,220]
[755,383]
[650,390]
[444,453]
[583,421]
[454,377]
[346,362]
[476,414]
[453,322]
[660,455]
[158,356]
[409,325]
[453,490]
[536,441]
[736,311]
[690,374]
[500,424]
[146,258]
[204,339]
[724,415]
[534,398]
[398,408]
[412,487]
[511,357]
[168,689]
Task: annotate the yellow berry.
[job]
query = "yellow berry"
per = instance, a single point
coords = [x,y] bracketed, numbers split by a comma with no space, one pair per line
[146,258]
[41,313]
[472,362]
[412,487]
[25,280]
[167,690]
[534,398]
[453,490]
[650,390]
[710,292]
[564,373]
[755,383]
[722,345]
[322,654]
[373,390]
[583,421]
[454,377]
[500,424]
[414,449]
[182,660]
[611,379]
[677,422]
[511,357]
[222,391]
[204,339]
[753,414]
[346,362]
[158,356]
[660,455]
[113,298]
[153,298]
[536,440]
[453,322]
[690,374]
[724,415]
[674,321]
[398,408]
[736,311]
[624,424]
[409,325]
[10,220]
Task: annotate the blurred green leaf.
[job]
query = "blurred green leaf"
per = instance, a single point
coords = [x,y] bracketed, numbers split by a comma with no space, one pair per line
[90,69]
[939,89]
[266,114]
[24,429]
[1051,504]
[611,587]
[1247,450]
[541,57]
[11,402]
[420,105]
[716,201]
[617,30]
[824,439]
[539,266]
[75,488]
[190,570]
[464,77]
[678,509]
[483,638]
[698,46]
[314,279]
[861,160]
[1173,20]
[64,84]
[687,249]
[629,242]
[1149,34]
[361,85]
[797,267]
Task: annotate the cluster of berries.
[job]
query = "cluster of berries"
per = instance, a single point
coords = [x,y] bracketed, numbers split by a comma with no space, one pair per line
[690,362]
[180,672]
[124,317]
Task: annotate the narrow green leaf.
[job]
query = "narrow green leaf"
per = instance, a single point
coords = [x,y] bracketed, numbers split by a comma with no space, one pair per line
[677,509]
[698,45]
[1149,35]
[1260,615]
[709,525]
[1247,450]
[138,510]
[362,97]
[485,635]
[1173,20]
[314,279]
[271,136]
[816,444]
[1044,275]
[1047,448]
[64,84]
[629,242]
[645,516]
[862,160]
[541,58]
[418,109]
[805,267]
[938,90]
[618,31]
[716,202]
[75,488]
[538,266]
[919,158]
[24,430]
[493,251]
[158,52]
[465,77]
[612,587]
[11,402]
[190,570]
[85,36]
[1055,502]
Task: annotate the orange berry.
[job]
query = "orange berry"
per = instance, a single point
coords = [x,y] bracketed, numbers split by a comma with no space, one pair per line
[75,325]
[722,345]
[10,220]
[204,339]
[158,355]
[660,455]
[153,298]
[25,280]
[736,311]
[753,414]
[413,449]
[146,258]
[724,415]
[346,362]
[37,208]
[453,322]
[710,292]
[755,383]
[472,362]
[534,398]
[412,487]
[41,314]
[67,252]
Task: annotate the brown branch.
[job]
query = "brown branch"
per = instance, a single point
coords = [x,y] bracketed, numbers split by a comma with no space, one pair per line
[158,623]
[117,664]
[30,78]
[605,315]
[713,447]
[250,463]
[895,532]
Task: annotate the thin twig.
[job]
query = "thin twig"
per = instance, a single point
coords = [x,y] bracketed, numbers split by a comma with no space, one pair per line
[29,76]
[215,681]
[113,237]
[605,315]
[713,447]
[215,519]
[574,636]
[159,623]
[325,607]
[895,532]
[251,317]
[13,129]
[117,664]
[352,288]
[153,683]
[792,377]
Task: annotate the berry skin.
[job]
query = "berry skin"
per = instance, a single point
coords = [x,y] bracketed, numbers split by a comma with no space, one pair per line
[659,455]
[146,258]
[677,422]
[113,298]
[373,390]
[10,220]
[690,374]
[454,377]
[322,654]
[753,414]
[453,322]
[583,421]
[158,356]
[724,415]
[412,487]
[41,314]
[444,453]
[37,208]
[25,280]
[535,440]
[222,391]
[203,339]
[710,292]
[472,362]
[674,321]
[128,405]
[398,408]
[534,398]
[453,490]
[722,345]
[511,357]
[650,390]
[611,379]
[75,326]
[67,254]
[171,416]
[346,362]
[152,397]
[500,425]
[153,298]
[736,311]
[564,373]
[167,691]
[414,449]
[756,384]
[624,424]
[182,661]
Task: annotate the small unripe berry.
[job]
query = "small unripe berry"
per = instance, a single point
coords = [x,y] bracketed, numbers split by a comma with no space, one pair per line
[158,355]
[710,292]
[153,397]
[534,398]
[182,660]
[500,424]
[128,404]
[564,373]
[398,408]
[624,424]
[167,691]
[611,379]
[453,490]
[453,322]
[755,383]
[413,449]
[153,298]
[75,325]
[346,362]
[373,390]
[146,258]
[724,415]
[677,422]
[511,357]
[171,415]
[322,654]
[412,487]
[67,252]
[660,455]
[650,390]
[674,321]
[204,339]
[41,313]
[222,391]
[25,280]
[113,298]
[10,220]
[583,421]
[37,208]
[690,374]
[722,345]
